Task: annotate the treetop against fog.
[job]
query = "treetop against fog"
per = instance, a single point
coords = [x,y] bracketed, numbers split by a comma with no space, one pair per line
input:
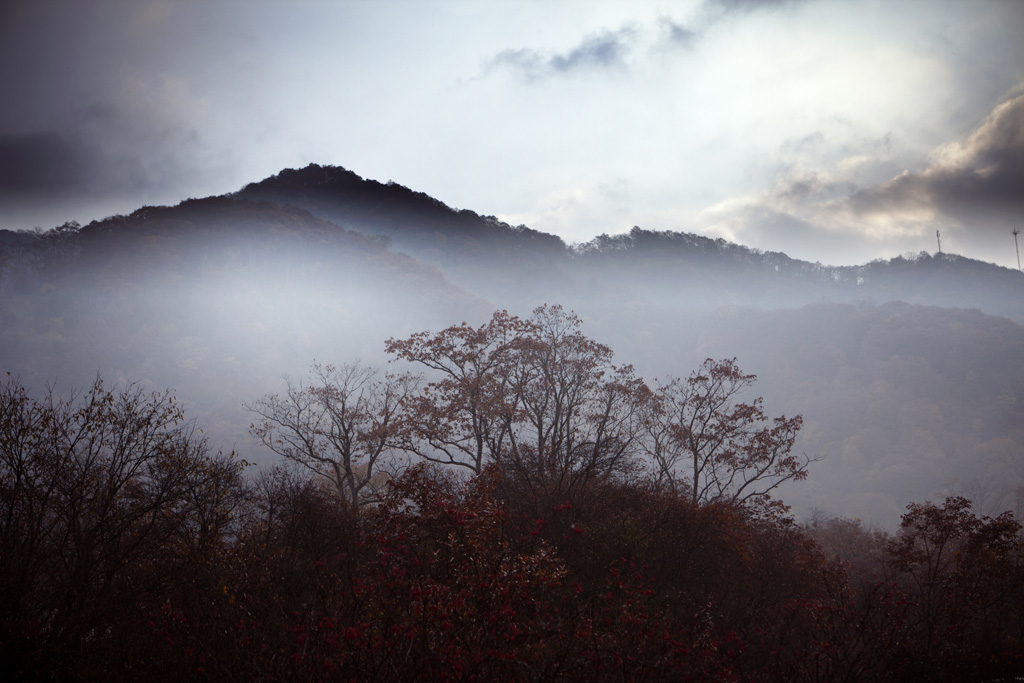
[542,402]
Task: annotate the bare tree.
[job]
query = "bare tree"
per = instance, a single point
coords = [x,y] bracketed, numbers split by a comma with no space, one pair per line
[464,415]
[105,497]
[707,443]
[534,396]
[578,415]
[341,426]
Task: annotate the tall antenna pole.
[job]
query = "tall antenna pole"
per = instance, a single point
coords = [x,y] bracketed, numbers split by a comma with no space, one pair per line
[1015,245]
[938,238]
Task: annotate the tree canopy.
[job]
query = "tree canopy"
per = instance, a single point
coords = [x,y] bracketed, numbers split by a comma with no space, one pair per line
[525,510]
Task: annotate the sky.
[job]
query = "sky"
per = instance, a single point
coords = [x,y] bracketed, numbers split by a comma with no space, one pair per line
[837,131]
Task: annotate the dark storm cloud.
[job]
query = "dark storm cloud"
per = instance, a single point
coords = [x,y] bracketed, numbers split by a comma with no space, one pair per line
[971,189]
[985,174]
[118,150]
[104,109]
[605,51]
[40,163]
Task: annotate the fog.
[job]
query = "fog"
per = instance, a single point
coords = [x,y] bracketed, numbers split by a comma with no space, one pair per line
[906,392]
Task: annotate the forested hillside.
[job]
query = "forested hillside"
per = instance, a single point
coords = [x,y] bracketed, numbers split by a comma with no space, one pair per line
[693,272]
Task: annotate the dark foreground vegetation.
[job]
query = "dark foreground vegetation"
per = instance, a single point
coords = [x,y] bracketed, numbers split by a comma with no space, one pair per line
[524,511]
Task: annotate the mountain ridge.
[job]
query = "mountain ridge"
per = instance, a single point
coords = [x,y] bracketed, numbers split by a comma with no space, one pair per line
[469,247]
[464,244]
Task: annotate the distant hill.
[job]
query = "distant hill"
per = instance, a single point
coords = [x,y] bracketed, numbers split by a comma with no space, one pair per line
[497,260]
[908,371]
[660,266]
[472,249]
[406,216]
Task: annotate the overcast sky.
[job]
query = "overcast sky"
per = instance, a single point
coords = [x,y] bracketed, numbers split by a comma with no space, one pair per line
[834,131]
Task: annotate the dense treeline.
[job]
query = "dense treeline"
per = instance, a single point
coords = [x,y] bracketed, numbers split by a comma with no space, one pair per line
[524,510]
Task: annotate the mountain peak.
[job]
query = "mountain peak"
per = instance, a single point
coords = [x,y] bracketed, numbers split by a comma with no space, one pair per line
[414,220]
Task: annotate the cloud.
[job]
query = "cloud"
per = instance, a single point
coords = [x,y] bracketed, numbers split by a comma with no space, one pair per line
[140,143]
[984,174]
[602,51]
[35,163]
[798,215]
[611,49]
[744,6]
[970,189]
[578,212]
[678,35]
[607,50]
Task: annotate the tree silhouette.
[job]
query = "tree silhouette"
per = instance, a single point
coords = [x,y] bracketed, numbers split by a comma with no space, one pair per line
[463,415]
[341,426]
[704,441]
[105,498]
[536,397]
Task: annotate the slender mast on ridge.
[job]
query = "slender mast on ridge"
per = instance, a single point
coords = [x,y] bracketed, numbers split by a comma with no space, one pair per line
[1015,245]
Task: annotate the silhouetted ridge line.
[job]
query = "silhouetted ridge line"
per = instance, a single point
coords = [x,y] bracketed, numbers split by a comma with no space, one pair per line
[344,197]
[522,266]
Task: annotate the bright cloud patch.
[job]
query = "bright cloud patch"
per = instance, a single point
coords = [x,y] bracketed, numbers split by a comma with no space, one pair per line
[969,185]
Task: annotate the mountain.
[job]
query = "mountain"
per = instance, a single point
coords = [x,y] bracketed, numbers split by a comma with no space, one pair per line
[473,250]
[500,261]
[907,371]
[656,265]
